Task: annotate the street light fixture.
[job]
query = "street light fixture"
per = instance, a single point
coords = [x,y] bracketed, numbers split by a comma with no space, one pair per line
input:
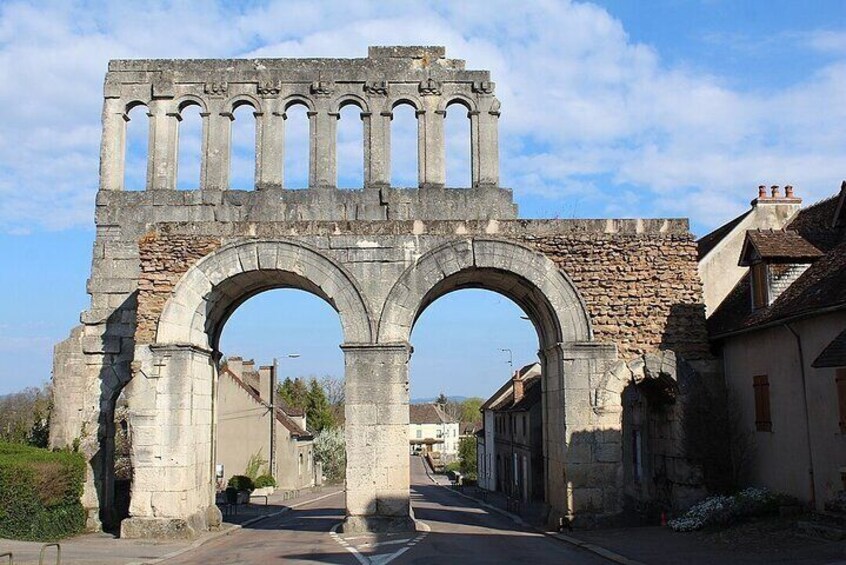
[510,357]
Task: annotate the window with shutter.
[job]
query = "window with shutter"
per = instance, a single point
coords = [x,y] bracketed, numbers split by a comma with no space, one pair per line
[840,380]
[763,419]
[760,286]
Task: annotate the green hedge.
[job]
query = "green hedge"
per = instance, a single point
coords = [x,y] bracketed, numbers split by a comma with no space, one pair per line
[40,493]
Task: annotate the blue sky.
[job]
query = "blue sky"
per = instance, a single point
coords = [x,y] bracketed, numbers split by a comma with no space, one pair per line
[666,108]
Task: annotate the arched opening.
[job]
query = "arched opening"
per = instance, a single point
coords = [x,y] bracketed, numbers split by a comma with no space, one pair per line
[350,147]
[137,148]
[477,349]
[297,150]
[280,370]
[457,140]
[190,146]
[242,175]
[404,149]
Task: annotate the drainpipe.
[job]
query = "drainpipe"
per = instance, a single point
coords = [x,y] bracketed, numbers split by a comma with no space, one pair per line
[807,418]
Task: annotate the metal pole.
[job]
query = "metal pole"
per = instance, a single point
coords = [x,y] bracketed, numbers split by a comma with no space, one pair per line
[273,371]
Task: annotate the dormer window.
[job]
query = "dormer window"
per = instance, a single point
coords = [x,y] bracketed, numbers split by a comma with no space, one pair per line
[760,282]
[777,258]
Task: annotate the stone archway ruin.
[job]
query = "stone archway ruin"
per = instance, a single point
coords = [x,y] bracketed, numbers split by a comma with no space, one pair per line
[170,266]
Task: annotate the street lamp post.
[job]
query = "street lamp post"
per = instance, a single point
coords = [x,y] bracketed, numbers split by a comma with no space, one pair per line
[273,381]
[510,358]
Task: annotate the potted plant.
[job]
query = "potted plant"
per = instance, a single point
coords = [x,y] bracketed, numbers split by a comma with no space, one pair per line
[265,485]
[243,486]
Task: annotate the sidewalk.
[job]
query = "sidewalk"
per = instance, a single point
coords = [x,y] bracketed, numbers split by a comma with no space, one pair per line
[105,549]
[757,542]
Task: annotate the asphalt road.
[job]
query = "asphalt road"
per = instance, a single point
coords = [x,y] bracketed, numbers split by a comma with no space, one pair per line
[453,530]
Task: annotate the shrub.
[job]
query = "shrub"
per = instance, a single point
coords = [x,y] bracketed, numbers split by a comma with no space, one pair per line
[40,493]
[265,481]
[454,466]
[242,482]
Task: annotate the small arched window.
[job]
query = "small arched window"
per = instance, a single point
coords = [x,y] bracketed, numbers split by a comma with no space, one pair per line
[137,148]
[404,150]
[242,173]
[457,144]
[190,147]
[350,147]
[297,150]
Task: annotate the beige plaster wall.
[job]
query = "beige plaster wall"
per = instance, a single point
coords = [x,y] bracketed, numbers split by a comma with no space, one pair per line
[780,459]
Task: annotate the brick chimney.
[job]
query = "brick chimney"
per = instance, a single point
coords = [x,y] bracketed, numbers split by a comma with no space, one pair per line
[264,373]
[235,366]
[517,387]
[774,196]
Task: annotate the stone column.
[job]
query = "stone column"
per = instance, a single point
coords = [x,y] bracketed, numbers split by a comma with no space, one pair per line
[485,143]
[431,150]
[217,142]
[113,145]
[171,414]
[164,126]
[377,437]
[377,149]
[323,162]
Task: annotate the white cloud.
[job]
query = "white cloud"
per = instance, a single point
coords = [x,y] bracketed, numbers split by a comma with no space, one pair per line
[588,114]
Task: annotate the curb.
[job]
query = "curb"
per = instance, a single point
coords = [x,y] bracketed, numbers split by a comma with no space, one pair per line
[595,549]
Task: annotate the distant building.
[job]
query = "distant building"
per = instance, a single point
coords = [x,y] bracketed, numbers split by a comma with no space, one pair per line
[243,428]
[509,448]
[781,333]
[431,429]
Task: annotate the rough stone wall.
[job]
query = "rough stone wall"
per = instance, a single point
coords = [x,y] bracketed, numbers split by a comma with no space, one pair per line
[642,291]
[163,262]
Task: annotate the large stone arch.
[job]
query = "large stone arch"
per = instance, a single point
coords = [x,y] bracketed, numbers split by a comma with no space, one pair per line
[172,395]
[527,277]
[213,289]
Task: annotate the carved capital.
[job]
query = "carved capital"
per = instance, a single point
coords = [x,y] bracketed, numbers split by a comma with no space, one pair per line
[376,87]
[269,87]
[484,87]
[322,88]
[216,88]
[430,87]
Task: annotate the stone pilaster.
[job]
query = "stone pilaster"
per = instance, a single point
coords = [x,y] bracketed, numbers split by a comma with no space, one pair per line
[484,139]
[171,405]
[164,126]
[218,143]
[270,147]
[323,166]
[113,145]
[377,437]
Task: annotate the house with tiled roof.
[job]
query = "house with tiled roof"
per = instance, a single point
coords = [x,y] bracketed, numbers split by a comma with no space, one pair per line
[781,333]
[245,416]
[432,430]
[509,449]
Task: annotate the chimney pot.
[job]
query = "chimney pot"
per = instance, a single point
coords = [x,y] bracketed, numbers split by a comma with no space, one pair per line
[788,191]
[762,191]
[775,191]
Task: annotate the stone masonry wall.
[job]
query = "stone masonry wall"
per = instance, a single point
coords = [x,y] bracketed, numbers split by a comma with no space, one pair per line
[163,262]
[642,291]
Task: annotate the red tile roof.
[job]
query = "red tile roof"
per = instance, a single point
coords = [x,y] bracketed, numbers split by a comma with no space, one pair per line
[777,246]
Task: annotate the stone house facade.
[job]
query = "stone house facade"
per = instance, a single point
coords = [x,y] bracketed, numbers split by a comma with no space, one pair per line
[781,333]
[430,429]
[512,460]
[243,429]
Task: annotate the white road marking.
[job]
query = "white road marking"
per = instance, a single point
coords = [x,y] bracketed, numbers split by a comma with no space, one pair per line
[382,558]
